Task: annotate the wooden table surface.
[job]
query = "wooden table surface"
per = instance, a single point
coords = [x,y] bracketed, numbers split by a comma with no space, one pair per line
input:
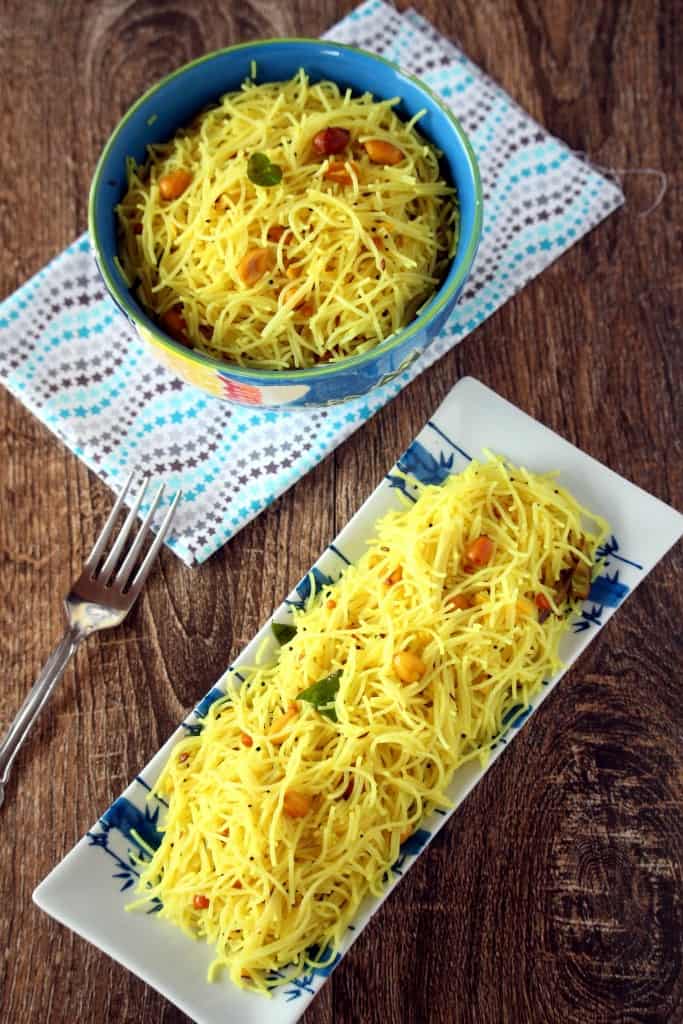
[555,893]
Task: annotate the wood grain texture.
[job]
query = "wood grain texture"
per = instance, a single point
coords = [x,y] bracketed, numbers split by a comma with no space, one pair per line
[555,893]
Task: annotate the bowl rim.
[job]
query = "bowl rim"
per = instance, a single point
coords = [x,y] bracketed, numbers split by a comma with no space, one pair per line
[121,295]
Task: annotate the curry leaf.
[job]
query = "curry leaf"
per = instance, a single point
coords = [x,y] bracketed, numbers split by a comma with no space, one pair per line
[283,632]
[322,695]
[262,172]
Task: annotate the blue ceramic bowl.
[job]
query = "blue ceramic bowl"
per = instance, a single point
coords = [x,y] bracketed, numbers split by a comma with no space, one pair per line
[173,102]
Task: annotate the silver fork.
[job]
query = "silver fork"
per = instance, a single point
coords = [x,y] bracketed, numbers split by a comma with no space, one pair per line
[94,602]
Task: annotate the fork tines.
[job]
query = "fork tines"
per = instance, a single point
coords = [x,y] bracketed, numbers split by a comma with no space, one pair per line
[123,575]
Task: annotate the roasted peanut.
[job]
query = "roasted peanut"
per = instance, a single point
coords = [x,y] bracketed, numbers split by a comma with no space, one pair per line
[409,667]
[173,184]
[295,804]
[340,173]
[254,264]
[331,140]
[382,152]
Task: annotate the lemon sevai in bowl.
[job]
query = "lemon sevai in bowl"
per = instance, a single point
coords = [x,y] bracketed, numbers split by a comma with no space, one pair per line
[296,241]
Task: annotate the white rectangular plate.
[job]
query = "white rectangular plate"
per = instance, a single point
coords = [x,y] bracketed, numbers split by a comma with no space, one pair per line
[89,890]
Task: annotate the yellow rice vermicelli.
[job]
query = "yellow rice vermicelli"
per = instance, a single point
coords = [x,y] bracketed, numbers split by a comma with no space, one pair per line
[292,803]
[327,262]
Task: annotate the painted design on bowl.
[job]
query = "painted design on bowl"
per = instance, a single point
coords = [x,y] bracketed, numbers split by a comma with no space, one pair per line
[187,369]
[386,378]
[266,394]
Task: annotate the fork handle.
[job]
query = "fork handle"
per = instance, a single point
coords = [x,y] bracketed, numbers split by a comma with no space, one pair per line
[37,697]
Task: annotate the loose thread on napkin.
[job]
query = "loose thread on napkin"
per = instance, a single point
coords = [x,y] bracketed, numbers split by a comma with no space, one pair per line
[616,174]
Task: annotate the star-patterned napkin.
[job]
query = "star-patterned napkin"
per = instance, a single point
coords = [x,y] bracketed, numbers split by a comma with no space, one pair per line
[72,359]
